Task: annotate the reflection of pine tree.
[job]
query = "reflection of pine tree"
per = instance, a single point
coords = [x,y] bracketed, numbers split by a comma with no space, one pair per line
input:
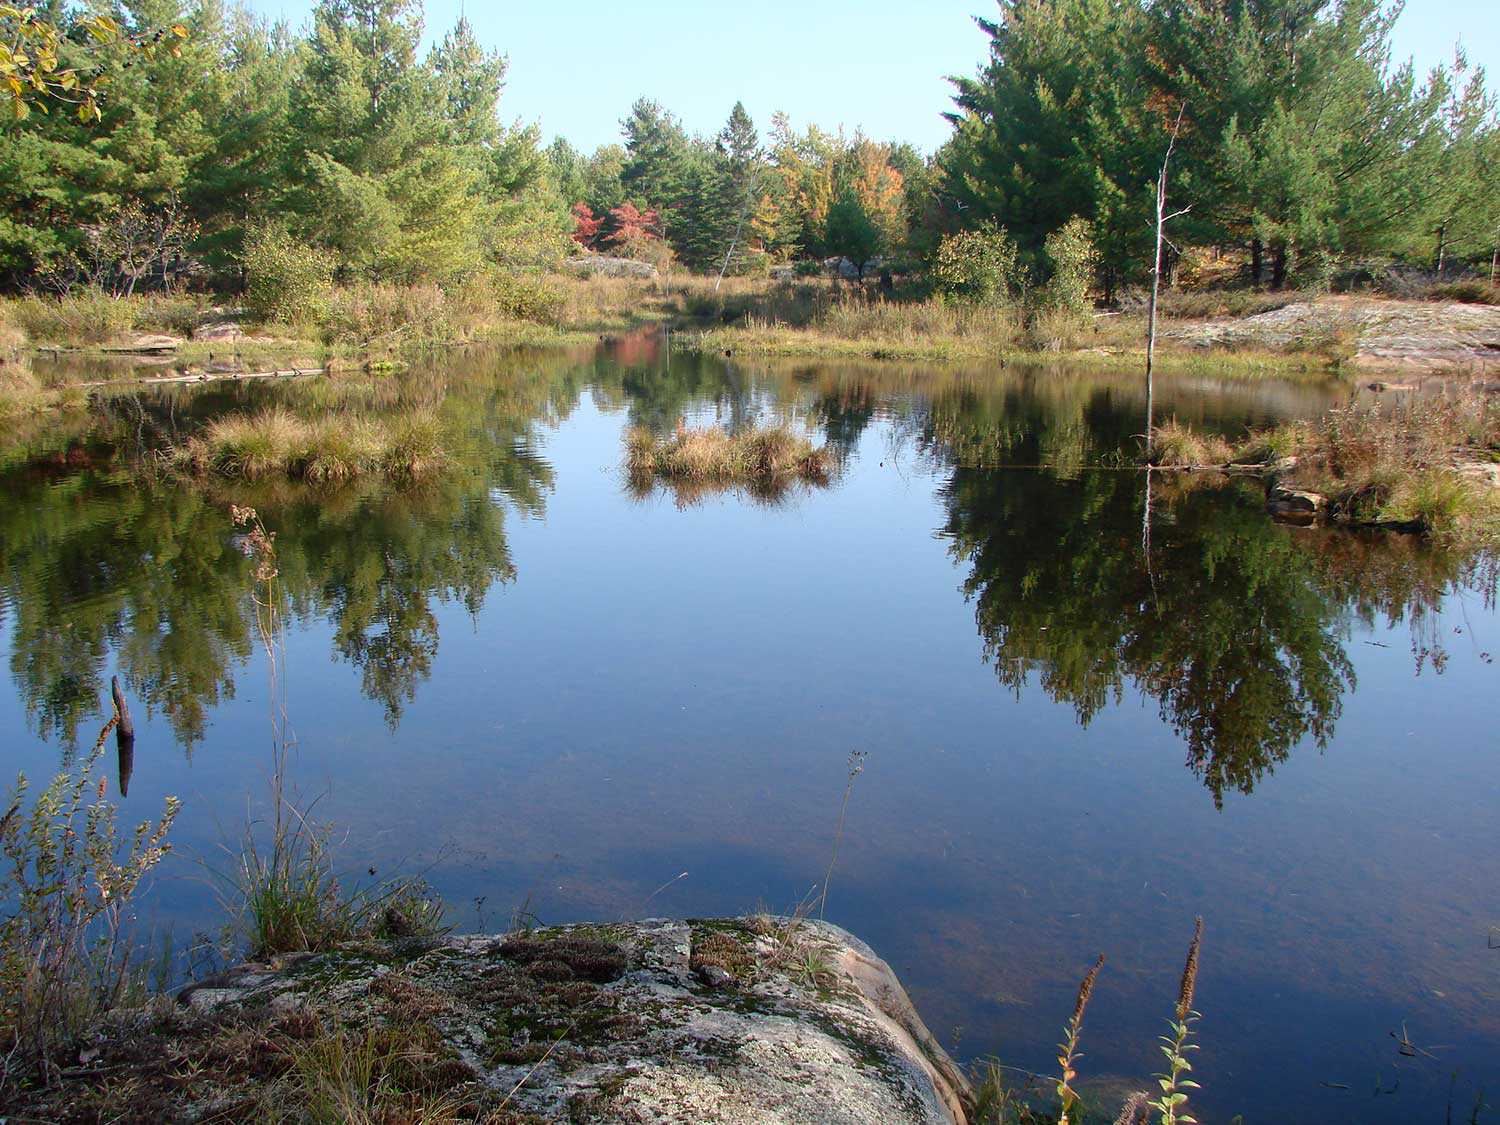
[1238,638]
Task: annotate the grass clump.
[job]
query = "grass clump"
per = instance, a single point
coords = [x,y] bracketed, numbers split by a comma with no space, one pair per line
[92,316]
[65,887]
[284,892]
[1397,463]
[377,1075]
[715,456]
[336,447]
[1174,445]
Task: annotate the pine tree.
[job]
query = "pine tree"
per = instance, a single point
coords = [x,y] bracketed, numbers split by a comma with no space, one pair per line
[851,231]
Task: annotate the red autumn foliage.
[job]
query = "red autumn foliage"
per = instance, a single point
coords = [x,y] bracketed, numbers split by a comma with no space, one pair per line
[585,225]
[632,225]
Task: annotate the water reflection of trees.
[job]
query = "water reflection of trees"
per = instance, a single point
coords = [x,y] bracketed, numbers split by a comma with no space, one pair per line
[100,559]
[1237,628]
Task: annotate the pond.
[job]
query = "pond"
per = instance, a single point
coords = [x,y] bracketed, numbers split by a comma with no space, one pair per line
[1080,722]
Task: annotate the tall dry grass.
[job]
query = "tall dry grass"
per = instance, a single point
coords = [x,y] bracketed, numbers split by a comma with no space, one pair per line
[715,455]
[90,316]
[1393,461]
[328,449]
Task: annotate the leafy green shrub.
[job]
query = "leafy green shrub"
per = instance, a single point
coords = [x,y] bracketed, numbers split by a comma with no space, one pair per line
[65,887]
[807,267]
[981,266]
[286,280]
[520,297]
[1070,255]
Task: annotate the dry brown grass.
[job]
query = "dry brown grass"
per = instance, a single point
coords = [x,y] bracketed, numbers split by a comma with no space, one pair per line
[716,456]
[1174,445]
[1389,462]
[332,448]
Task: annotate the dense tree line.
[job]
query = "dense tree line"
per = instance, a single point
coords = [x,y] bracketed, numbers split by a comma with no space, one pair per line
[738,202]
[149,137]
[1300,142]
[347,136]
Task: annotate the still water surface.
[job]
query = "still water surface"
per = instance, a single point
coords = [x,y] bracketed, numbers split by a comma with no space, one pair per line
[1081,728]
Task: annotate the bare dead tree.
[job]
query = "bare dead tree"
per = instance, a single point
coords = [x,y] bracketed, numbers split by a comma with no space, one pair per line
[1162,218]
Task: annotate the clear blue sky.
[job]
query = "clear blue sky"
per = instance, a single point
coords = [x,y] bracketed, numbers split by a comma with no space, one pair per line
[576,66]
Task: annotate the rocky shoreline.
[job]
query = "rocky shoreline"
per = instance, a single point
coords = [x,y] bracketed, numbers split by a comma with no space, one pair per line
[754,1019]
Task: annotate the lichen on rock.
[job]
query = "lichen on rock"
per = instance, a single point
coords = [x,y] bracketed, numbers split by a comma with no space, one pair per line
[718,1020]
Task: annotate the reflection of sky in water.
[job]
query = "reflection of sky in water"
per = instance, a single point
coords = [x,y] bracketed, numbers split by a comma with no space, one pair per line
[665,689]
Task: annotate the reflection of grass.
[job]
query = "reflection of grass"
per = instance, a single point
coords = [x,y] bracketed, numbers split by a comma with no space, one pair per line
[332,448]
[764,455]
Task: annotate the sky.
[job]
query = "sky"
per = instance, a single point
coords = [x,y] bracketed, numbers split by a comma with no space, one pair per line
[876,65]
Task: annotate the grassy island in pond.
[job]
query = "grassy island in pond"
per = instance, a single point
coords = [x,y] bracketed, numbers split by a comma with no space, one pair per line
[1419,462]
[712,456]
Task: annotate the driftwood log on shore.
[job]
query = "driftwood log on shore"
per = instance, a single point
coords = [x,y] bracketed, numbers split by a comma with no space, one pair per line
[199,377]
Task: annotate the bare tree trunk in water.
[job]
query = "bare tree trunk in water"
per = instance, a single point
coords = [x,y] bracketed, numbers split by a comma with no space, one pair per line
[1156,263]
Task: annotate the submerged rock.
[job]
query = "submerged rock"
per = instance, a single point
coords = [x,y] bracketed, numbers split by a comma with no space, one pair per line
[764,1020]
[1295,503]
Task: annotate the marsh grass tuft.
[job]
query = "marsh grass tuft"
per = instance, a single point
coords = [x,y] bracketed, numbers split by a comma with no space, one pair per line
[765,459]
[336,447]
[283,893]
[1173,444]
[1396,462]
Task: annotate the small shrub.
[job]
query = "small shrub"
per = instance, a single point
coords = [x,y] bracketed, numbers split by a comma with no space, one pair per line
[287,281]
[66,886]
[1071,257]
[981,266]
[524,297]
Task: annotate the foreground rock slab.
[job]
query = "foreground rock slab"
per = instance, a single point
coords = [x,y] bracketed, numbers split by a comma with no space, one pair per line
[726,1020]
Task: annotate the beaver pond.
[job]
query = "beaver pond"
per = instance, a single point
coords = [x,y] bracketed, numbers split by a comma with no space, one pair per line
[1088,706]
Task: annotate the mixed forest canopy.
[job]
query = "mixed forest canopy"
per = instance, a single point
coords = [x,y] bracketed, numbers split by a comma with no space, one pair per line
[155,143]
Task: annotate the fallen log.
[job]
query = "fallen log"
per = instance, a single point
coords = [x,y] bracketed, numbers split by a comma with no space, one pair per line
[198,377]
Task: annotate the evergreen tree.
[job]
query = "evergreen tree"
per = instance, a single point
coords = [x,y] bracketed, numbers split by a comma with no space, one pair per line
[658,157]
[852,231]
[386,181]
